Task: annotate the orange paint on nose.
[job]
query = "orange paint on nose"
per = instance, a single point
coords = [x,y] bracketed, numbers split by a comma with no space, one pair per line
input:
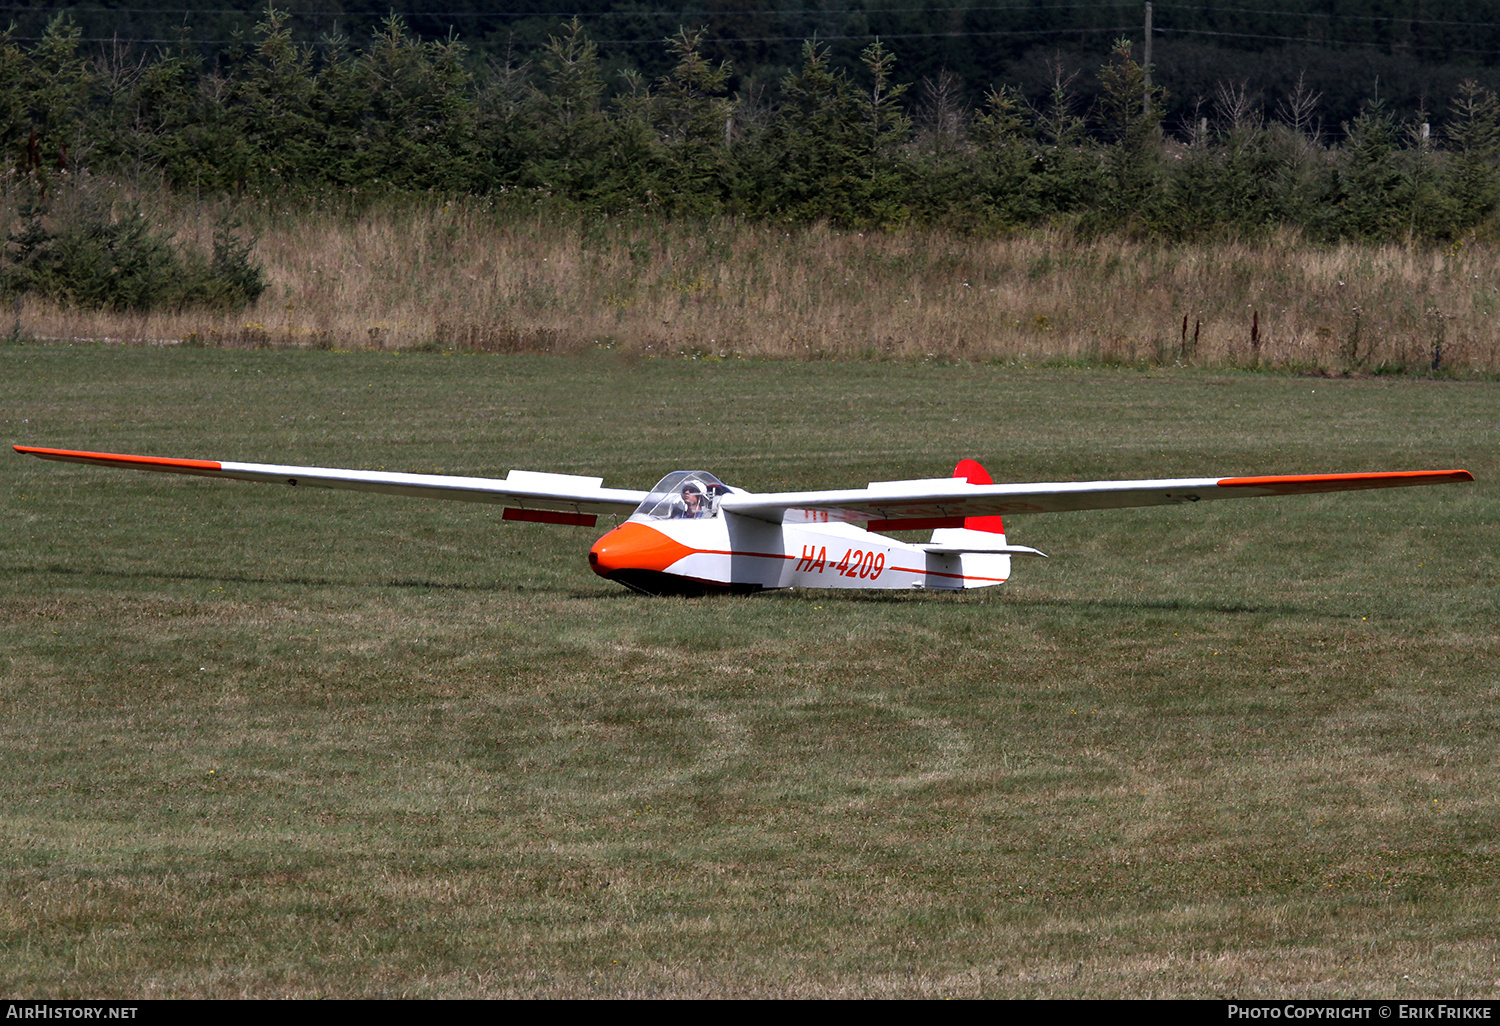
[633,546]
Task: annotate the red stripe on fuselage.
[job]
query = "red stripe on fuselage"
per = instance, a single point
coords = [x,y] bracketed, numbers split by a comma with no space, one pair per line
[775,555]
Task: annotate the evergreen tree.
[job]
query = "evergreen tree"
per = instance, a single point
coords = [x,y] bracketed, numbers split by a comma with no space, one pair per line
[803,166]
[1067,176]
[832,153]
[1008,164]
[692,118]
[1473,136]
[1131,118]
[419,116]
[1227,179]
[1364,201]
[1428,209]
[44,95]
[882,199]
[505,122]
[269,106]
[150,118]
[572,132]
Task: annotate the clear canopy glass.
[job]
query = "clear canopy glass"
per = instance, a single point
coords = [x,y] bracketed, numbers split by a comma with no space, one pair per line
[684,495]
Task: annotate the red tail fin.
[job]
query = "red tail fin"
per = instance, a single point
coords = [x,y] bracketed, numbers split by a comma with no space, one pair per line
[973,473]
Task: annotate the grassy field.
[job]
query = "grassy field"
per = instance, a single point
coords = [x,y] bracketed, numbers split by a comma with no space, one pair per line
[259,742]
[474,274]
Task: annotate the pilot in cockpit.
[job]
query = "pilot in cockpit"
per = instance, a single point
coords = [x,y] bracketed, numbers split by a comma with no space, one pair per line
[694,502]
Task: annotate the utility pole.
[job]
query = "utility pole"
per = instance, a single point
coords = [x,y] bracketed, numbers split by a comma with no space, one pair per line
[1146,63]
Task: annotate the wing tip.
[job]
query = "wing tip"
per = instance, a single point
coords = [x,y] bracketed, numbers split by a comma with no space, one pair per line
[1348,482]
[117,459]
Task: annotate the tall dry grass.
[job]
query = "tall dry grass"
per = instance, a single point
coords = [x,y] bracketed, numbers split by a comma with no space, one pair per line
[480,274]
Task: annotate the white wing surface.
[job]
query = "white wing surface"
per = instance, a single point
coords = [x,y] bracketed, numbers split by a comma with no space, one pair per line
[548,498]
[945,502]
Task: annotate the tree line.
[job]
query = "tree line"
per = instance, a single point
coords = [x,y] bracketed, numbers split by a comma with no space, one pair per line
[271,115]
[1341,47]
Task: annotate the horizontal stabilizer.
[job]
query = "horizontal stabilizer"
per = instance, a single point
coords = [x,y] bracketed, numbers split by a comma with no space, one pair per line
[999,550]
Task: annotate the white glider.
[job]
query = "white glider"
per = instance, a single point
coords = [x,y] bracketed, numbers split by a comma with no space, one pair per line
[692,534]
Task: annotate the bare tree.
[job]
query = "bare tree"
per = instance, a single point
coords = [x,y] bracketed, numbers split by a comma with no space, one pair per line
[1298,111]
[1057,122]
[940,110]
[1236,109]
[1195,125]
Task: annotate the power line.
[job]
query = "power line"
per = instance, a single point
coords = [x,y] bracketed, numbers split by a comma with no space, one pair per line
[784,15]
[1323,14]
[819,37]
[781,14]
[1320,42]
[385,12]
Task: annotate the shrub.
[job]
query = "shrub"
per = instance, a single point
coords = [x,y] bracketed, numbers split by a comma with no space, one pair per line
[85,251]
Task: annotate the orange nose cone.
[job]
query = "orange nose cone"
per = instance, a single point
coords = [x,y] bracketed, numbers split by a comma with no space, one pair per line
[633,546]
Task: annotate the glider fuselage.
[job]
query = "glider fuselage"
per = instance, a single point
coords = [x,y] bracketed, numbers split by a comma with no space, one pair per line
[729,552]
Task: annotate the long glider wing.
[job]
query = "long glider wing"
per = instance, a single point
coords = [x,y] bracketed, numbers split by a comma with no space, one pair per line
[527,495]
[946,502]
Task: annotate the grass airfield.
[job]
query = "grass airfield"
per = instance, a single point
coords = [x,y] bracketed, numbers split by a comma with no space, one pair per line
[264,742]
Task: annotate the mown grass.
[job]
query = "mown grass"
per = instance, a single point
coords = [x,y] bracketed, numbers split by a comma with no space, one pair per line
[260,741]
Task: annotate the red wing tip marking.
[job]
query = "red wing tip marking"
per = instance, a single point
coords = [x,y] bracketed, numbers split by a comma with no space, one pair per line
[1340,482]
[114,457]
